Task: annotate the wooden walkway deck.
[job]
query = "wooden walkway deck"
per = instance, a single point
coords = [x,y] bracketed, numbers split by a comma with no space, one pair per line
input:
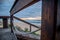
[6,34]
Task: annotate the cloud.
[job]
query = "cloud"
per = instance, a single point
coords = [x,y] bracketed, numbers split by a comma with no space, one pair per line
[31,18]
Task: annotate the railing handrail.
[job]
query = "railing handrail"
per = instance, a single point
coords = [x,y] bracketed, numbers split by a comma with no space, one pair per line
[25,22]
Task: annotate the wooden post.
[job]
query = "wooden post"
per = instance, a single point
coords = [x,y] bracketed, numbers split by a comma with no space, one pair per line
[11,23]
[30,28]
[58,22]
[49,14]
[5,23]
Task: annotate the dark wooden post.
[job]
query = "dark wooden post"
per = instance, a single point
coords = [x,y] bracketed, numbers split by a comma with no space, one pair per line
[58,22]
[11,23]
[5,23]
[49,14]
[30,28]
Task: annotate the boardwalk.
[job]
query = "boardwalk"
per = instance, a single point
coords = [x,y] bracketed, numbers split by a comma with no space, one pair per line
[5,34]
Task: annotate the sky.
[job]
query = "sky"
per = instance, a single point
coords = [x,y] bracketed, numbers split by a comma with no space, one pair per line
[32,12]
[5,6]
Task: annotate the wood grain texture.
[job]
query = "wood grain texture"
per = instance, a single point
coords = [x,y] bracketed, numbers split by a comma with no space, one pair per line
[49,11]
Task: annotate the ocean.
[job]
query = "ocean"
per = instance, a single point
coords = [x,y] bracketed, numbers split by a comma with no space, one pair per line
[35,22]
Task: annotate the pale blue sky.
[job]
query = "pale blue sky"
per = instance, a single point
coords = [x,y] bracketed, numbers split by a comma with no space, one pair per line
[32,11]
[5,6]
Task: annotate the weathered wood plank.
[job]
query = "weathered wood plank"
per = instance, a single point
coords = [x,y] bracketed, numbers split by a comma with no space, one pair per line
[49,11]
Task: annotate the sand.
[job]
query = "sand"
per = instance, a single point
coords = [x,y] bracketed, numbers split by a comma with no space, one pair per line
[24,25]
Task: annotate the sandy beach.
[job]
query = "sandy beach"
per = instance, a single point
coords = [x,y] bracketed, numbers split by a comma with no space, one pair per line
[23,25]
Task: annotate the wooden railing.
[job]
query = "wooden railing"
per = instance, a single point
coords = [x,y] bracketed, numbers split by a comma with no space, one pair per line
[5,21]
[31,25]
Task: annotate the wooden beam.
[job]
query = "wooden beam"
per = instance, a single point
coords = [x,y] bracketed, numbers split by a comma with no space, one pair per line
[49,14]
[4,16]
